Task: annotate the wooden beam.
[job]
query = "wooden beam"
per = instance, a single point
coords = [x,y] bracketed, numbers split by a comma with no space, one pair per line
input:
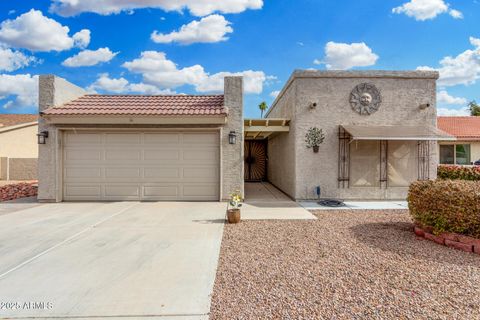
[267,129]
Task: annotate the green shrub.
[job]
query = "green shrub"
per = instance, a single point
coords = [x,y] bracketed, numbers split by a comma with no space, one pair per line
[446,206]
[459,172]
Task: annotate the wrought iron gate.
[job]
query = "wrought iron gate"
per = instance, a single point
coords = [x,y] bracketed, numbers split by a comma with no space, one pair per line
[255,160]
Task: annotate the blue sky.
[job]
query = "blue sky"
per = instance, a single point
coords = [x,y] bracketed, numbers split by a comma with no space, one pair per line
[187,46]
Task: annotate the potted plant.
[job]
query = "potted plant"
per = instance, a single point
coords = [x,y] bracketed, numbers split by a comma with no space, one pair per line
[233,213]
[314,138]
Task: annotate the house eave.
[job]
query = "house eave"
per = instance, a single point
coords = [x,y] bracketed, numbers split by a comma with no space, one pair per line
[129,119]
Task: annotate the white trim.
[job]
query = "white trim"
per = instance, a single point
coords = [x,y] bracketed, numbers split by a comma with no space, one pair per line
[18,126]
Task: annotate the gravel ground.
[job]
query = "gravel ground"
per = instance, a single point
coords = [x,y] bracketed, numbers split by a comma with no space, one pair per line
[346,265]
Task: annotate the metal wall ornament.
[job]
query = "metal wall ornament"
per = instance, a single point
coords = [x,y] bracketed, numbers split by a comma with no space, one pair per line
[365,98]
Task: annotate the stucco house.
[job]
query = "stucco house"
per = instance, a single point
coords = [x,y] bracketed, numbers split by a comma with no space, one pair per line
[380,135]
[465,150]
[18,146]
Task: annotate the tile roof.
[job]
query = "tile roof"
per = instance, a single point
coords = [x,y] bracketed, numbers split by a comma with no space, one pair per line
[464,128]
[8,120]
[172,105]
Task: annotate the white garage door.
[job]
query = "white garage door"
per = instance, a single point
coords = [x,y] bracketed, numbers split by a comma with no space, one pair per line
[141,166]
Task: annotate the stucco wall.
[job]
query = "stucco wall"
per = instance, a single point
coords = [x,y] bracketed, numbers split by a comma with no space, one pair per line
[281,147]
[402,94]
[19,143]
[22,168]
[53,91]
[232,154]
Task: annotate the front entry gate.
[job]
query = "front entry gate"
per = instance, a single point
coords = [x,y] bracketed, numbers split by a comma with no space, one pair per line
[256,160]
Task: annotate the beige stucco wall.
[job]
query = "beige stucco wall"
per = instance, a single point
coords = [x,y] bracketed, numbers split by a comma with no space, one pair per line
[232,163]
[402,94]
[53,91]
[281,147]
[19,143]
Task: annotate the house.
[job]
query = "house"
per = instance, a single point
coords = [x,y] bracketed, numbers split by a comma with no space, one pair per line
[466,148]
[380,135]
[18,146]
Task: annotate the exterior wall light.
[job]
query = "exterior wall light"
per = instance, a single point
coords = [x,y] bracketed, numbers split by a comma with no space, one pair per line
[232,137]
[42,137]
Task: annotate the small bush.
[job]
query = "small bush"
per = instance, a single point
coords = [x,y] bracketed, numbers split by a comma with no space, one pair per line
[446,206]
[452,172]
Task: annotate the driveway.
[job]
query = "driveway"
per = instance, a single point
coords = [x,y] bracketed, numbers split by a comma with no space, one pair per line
[123,259]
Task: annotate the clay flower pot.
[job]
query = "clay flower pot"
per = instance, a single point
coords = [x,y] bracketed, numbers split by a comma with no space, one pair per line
[233,215]
[316,148]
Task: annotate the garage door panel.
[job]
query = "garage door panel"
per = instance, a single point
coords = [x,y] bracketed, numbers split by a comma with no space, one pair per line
[79,173]
[172,139]
[123,138]
[163,154]
[141,166]
[206,138]
[165,191]
[119,155]
[80,139]
[200,154]
[200,191]
[207,174]
[83,154]
[93,191]
[157,174]
[122,173]
[122,190]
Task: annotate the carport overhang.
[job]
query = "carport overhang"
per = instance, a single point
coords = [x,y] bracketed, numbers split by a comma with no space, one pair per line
[259,129]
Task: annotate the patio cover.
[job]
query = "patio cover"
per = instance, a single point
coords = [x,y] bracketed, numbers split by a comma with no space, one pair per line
[417,133]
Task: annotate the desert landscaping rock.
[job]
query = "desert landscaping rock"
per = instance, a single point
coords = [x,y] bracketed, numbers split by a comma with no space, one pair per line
[18,190]
[345,265]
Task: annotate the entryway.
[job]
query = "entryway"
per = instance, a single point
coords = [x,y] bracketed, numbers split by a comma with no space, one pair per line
[256,160]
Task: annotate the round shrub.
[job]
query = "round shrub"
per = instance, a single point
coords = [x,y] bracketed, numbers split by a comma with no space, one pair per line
[453,172]
[446,206]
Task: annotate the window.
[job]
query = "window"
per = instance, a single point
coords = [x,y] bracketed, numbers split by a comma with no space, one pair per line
[455,154]
[365,163]
[462,154]
[447,154]
[402,163]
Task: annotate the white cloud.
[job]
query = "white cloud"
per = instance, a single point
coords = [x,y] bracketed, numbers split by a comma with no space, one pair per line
[157,70]
[121,85]
[343,56]
[274,94]
[444,98]
[21,90]
[90,58]
[35,32]
[423,10]
[196,7]
[11,60]
[81,39]
[462,69]
[444,111]
[209,29]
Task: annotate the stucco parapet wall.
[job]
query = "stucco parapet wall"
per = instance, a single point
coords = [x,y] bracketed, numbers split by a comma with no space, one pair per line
[363,74]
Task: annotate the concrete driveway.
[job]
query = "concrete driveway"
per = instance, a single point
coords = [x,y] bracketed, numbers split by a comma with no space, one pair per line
[124,259]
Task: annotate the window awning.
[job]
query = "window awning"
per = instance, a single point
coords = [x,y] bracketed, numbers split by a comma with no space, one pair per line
[417,133]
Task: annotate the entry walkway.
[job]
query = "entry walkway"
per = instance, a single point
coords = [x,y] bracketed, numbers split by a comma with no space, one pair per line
[265,202]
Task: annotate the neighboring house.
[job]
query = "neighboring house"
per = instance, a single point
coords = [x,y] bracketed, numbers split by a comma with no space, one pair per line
[18,146]
[380,129]
[465,150]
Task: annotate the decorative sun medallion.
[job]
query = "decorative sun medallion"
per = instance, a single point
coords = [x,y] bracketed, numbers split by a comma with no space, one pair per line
[365,98]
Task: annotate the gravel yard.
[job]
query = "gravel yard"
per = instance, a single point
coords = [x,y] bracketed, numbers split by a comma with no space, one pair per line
[345,265]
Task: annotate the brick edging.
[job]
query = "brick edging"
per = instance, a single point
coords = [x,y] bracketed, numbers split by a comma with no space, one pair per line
[452,240]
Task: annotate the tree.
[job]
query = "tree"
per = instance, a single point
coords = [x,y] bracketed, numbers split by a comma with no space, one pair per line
[474,108]
[262,106]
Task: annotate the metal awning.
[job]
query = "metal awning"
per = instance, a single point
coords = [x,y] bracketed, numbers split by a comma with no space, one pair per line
[417,133]
[263,128]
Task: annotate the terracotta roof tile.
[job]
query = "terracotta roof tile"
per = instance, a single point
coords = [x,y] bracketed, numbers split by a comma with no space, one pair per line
[142,105]
[8,120]
[464,128]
